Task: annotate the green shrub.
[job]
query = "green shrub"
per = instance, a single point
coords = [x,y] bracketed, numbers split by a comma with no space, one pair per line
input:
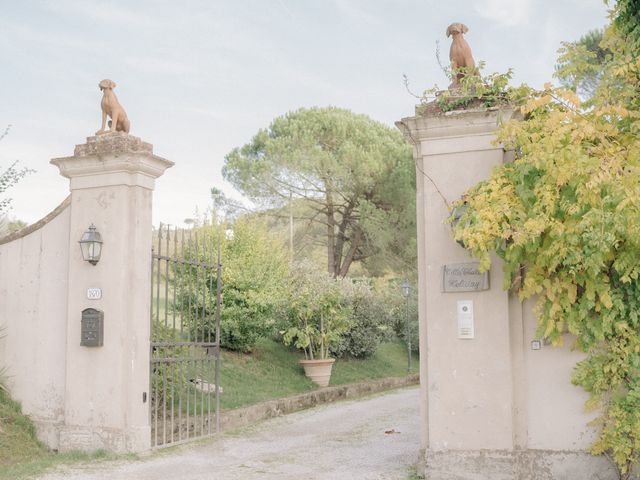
[400,327]
[396,303]
[370,320]
[254,276]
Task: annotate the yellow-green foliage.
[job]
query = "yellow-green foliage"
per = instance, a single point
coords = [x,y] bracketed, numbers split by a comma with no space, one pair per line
[565,218]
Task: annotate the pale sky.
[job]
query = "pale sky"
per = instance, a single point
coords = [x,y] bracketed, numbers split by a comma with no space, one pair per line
[198,78]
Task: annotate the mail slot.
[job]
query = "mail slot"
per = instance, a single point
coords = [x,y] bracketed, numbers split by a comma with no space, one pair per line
[92,328]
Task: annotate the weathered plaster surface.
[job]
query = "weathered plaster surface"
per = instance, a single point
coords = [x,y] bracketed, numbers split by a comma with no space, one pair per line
[517,465]
[33,309]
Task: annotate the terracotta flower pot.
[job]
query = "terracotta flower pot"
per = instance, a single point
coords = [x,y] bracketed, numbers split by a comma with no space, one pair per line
[318,371]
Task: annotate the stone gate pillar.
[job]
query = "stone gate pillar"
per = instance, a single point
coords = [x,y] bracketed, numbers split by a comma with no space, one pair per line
[466,376]
[496,402]
[106,402]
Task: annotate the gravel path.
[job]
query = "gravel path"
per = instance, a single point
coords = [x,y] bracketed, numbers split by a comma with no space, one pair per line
[345,440]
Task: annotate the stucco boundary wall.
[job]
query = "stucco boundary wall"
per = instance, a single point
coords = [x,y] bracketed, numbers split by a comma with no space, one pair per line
[34,265]
[81,395]
[496,403]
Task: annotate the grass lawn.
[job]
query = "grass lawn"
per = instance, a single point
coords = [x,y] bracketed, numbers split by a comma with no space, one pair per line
[17,435]
[21,454]
[272,371]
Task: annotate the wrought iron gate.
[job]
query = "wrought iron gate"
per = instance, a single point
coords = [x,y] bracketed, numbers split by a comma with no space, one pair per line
[185,334]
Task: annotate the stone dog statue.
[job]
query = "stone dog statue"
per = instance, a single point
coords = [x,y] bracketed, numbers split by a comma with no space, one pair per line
[460,53]
[111,107]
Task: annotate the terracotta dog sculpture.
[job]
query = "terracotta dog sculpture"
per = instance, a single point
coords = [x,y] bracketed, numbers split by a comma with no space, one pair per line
[460,53]
[111,107]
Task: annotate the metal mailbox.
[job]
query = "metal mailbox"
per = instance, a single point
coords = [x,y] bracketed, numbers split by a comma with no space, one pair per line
[92,328]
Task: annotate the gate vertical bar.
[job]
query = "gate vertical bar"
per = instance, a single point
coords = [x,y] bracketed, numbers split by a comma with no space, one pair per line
[182,317]
[197,338]
[201,363]
[157,328]
[217,347]
[167,351]
[210,349]
[188,349]
[175,335]
[151,330]
[164,339]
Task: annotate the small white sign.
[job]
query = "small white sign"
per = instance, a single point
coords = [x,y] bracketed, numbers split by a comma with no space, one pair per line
[465,319]
[94,293]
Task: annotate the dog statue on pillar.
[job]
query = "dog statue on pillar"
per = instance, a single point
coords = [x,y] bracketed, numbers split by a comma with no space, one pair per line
[462,62]
[111,107]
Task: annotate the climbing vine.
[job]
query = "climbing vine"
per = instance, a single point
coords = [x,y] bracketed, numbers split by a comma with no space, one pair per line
[564,217]
[476,90]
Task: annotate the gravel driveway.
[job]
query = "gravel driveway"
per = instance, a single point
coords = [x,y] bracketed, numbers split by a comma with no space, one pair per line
[374,438]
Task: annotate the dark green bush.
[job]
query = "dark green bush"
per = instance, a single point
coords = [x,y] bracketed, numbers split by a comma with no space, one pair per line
[254,276]
[397,306]
[369,320]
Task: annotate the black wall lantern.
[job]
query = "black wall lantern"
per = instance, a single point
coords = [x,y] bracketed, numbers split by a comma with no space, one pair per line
[455,216]
[91,245]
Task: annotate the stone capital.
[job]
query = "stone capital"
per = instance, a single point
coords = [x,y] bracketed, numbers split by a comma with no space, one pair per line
[455,131]
[112,159]
[453,124]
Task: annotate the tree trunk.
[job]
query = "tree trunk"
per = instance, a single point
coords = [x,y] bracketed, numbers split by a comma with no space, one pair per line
[331,237]
[356,241]
[341,236]
[290,227]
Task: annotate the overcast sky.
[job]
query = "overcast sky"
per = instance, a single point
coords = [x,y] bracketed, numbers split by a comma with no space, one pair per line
[198,78]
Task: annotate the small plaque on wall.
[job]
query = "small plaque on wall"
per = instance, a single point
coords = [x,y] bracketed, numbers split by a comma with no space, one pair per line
[464,277]
[94,293]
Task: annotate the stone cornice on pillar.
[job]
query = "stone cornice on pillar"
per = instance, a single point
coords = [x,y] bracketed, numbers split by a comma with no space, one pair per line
[112,159]
[454,124]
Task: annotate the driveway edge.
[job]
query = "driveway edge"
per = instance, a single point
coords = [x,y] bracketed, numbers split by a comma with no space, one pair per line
[240,417]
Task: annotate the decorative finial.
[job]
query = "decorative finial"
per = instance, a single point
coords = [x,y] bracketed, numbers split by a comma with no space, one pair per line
[460,54]
[111,107]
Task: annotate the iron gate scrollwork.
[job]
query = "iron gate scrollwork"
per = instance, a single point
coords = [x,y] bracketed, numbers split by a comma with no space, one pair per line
[185,335]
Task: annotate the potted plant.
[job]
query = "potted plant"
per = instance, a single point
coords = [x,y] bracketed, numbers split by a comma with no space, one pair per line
[316,320]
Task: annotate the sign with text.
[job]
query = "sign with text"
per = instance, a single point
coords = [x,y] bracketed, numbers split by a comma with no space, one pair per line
[464,277]
[94,293]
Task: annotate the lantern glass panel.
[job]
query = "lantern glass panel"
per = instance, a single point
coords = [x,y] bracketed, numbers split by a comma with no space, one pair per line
[91,245]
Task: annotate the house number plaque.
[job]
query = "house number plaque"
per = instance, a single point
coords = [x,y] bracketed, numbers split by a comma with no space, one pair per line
[94,293]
